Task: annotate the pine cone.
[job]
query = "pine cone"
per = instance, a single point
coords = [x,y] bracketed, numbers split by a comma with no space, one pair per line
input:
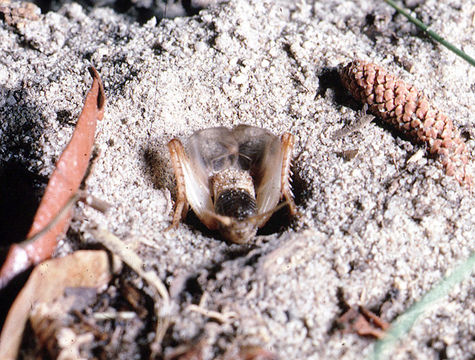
[408,110]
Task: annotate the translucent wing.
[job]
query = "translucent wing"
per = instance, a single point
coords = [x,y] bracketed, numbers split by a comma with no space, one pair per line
[260,152]
[207,152]
[213,150]
[192,186]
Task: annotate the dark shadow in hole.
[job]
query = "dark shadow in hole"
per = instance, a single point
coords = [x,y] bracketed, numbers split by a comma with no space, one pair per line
[134,9]
[329,78]
[279,222]
[18,202]
[192,290]
[282,220]
[154,167]
[194,223]
[20,186]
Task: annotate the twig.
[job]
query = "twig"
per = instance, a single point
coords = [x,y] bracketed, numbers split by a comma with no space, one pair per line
[117,247]
[64,210]
[112,315]
[222,318]
[94,202]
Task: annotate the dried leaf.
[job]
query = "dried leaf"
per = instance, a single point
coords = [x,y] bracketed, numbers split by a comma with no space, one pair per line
[85,268]
[362,322]
[63,185]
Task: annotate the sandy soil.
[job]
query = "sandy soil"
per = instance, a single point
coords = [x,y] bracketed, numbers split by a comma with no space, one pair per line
[378,228]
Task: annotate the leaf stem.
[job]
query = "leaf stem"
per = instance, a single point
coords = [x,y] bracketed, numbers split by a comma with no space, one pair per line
[431,33]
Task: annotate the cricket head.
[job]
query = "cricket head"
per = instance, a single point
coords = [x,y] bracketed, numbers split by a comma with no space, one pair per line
[238,232]
[240,222]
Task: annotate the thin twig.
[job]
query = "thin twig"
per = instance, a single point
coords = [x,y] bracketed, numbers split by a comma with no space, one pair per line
[431,33]
[117,246]
[94,202]
[162,311]
[65,209]
[221,317]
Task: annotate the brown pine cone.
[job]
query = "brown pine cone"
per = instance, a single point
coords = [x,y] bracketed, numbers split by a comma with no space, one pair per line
[406,108]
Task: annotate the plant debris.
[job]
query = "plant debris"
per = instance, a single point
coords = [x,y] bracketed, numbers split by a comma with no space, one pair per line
[193,351]
[249,353]
[163,306]
[407,108]
[54,330]
[362,322]
[48,281]
[363,119]
[62,187]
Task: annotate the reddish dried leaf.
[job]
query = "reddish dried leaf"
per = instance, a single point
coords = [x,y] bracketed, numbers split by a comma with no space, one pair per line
[85,268]
[63,184]
[374,319]
[248,352]
[362,322]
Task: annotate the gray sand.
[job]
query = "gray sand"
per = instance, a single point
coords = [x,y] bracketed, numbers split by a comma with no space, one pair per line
[381,228]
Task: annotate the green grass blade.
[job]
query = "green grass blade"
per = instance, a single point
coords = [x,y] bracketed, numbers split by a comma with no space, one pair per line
[432,34]
[382,349]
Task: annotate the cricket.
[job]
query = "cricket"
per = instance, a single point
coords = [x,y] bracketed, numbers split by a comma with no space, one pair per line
[233,179]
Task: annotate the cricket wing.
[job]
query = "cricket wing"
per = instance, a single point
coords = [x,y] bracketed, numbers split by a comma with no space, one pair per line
[261,153]
[268,181]
[213,150]
[190,176]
